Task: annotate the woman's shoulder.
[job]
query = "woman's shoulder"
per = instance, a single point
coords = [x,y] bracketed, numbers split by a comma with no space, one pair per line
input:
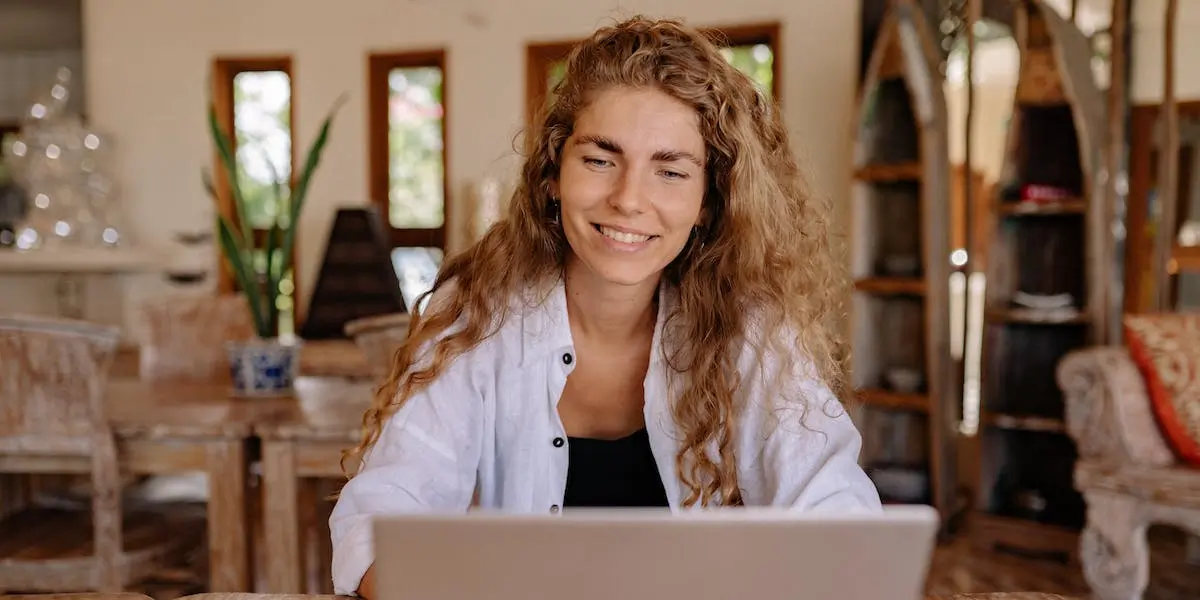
[777,359]
[507,322]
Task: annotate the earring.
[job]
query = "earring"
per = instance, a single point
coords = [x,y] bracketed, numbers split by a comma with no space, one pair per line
[556,209]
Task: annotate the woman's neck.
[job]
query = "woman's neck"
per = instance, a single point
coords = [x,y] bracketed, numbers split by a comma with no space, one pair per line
[609,313]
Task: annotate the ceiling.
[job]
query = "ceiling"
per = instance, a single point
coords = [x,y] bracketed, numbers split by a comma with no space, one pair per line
[40,25]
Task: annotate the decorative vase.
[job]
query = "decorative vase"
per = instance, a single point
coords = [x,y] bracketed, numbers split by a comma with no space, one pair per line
[262,368]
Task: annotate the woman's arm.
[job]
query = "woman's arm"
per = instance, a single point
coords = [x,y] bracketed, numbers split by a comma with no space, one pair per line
[366,589]
[426,459]
[811,459]
[809,446]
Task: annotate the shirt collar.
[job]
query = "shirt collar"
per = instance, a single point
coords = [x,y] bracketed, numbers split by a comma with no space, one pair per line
[546,331]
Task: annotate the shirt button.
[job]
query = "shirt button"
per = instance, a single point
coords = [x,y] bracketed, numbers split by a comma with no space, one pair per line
[558,442]
[567,358]
[554,509]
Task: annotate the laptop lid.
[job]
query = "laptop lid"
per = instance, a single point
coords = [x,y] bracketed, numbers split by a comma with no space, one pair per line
[760,554]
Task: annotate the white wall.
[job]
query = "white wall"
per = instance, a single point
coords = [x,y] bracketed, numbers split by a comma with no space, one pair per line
[147,63]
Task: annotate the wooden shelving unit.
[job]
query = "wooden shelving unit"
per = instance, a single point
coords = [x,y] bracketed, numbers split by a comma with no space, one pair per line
[1045,291]
[903,375]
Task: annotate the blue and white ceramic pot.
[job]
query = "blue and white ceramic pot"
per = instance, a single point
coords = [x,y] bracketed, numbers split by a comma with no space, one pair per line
[263,367]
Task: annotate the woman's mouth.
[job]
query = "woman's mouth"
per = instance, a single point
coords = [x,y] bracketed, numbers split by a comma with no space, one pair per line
[623,237]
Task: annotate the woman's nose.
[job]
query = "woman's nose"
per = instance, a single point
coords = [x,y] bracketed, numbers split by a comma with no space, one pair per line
[629,195]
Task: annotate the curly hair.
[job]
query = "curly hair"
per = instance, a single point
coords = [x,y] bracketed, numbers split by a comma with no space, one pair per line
[764,252]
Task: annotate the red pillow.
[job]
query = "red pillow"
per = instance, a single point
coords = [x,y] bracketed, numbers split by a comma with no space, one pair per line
[1166,349]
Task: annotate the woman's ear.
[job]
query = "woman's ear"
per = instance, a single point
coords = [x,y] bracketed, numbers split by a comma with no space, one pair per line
[554,188]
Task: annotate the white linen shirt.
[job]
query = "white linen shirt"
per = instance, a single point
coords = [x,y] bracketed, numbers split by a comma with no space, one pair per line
[490,424]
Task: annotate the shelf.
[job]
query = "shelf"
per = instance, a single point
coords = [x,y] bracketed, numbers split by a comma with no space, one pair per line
[1025,423]
[1040,254]
[891,286]
[1037,316]
[879,398]
[75,260]
[1037,207]
[900,234]
[906,171]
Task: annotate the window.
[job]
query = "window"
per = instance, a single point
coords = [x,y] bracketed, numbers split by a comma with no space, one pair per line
[406,98]
[752,49]
[253,100]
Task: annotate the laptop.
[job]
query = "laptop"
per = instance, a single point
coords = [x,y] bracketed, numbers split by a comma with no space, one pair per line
[636,554]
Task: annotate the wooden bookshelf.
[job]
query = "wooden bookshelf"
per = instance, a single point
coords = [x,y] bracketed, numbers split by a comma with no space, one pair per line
[1045,291]
[902,369]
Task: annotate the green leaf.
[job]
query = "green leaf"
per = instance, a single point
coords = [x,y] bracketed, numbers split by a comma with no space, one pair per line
[206,179]
[273,272]
[245,275]
[300,193]
[229,162]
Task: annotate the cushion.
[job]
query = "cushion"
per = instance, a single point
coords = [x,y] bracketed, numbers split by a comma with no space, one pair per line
[1166,349]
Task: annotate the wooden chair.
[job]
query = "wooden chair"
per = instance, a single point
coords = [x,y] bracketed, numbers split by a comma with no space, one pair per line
[52,420]
[378,337]
[183,337]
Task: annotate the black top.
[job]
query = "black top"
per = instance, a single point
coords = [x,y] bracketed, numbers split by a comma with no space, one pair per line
[620,472]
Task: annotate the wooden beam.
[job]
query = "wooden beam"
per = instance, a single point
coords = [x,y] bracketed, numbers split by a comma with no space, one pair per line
[1168,163]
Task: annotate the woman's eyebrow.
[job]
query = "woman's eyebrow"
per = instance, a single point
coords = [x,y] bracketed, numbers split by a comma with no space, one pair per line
[609,145]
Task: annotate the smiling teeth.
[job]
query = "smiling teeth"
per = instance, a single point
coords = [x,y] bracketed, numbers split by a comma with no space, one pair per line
[621,236]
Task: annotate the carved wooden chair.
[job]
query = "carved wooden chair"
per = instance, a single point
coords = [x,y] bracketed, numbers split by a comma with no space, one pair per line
[52,420]
[1128,474]
[378,337]
[183,337]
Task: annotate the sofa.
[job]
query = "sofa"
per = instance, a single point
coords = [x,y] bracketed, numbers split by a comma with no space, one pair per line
[1133,412]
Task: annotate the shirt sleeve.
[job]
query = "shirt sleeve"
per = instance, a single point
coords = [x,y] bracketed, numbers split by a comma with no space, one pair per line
[810,446]
[425,460]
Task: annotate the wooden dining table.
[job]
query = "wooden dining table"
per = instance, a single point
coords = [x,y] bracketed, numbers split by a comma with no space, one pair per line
[301,447]
[175,428]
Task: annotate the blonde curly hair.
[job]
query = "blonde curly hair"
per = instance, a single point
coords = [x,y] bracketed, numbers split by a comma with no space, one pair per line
[764,249]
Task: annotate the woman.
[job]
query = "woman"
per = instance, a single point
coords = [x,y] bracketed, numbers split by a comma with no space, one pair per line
[650,325]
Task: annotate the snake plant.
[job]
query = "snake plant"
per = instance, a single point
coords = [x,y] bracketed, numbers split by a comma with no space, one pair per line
[260,282]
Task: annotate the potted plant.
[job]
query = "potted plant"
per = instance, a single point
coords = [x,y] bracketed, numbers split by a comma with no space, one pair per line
[264,365]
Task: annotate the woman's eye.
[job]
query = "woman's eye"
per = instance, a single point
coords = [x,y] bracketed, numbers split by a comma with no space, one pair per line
[596,162]
[674,175]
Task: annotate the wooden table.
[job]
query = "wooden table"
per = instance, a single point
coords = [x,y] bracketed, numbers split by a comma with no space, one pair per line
[78,596]
[1004,596]
[992,596]
[333,358]
[302,445]
[172,428]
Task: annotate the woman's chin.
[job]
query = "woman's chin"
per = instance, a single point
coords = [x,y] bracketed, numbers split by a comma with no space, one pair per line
[622,271]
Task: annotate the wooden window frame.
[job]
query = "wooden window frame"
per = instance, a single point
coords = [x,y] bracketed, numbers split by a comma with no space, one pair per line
[379,65]
[1139,257]
[539,56]
[224,69]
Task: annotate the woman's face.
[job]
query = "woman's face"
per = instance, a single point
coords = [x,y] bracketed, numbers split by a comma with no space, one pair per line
[632,183]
